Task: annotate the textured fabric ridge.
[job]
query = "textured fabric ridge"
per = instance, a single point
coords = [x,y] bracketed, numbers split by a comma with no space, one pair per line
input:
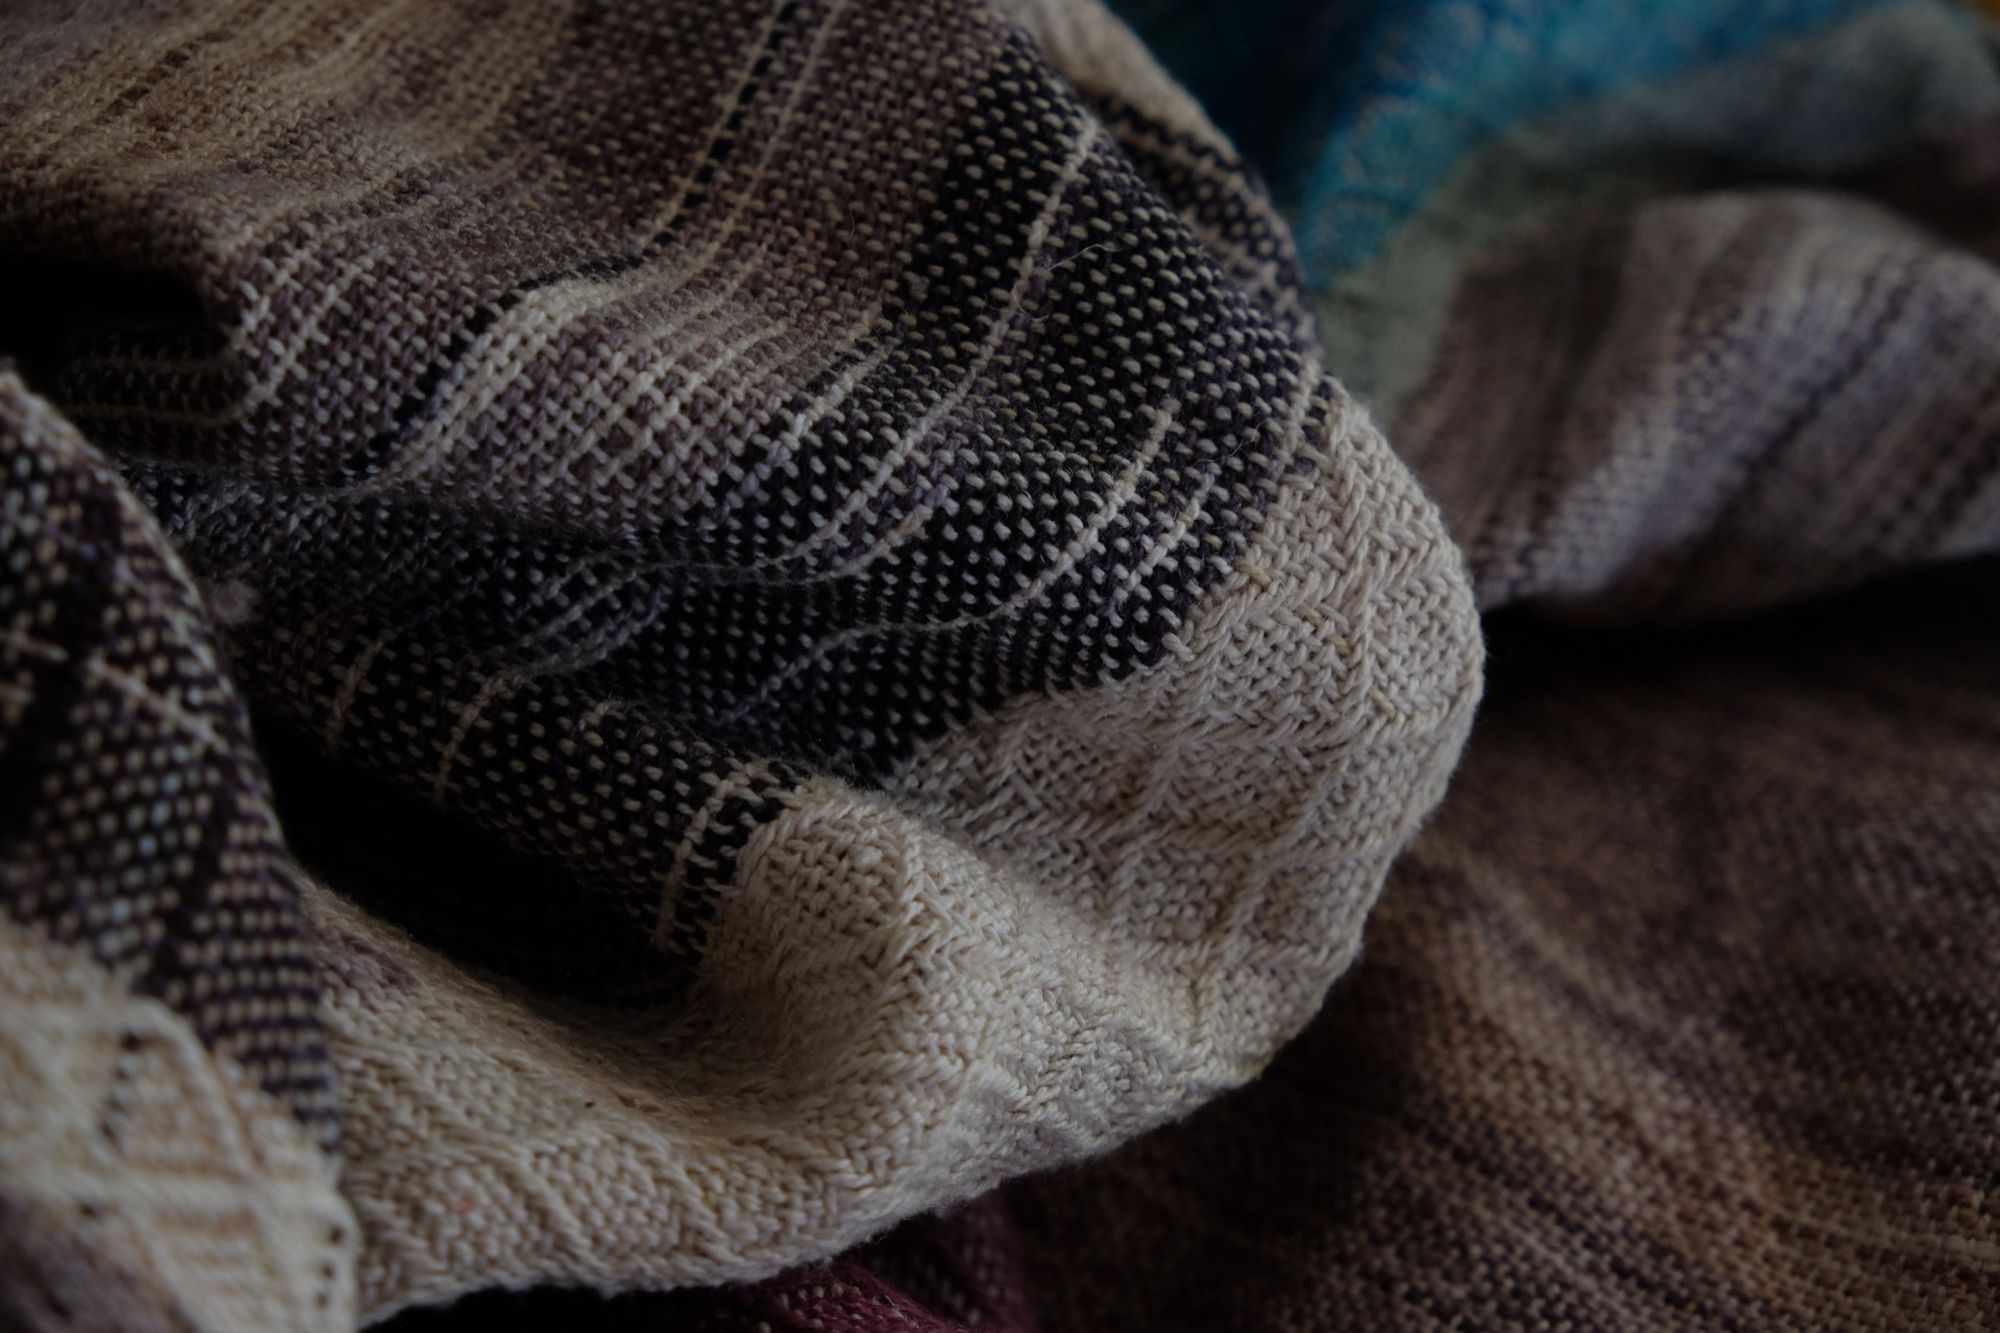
[818,627]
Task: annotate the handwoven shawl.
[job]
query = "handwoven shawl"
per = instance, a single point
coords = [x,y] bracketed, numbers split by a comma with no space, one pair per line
[641,639]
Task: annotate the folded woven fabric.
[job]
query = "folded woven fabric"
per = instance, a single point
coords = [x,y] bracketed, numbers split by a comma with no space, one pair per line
[639,640]
[1681,1012]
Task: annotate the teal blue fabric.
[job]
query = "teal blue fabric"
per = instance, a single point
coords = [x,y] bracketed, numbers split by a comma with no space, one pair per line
[1403,137]
[1357,110]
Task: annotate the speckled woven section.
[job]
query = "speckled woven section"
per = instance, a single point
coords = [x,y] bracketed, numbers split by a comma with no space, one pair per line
[138,822]
[807,601]
[167,1104]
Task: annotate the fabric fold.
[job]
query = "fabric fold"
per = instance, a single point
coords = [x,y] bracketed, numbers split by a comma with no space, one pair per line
[810,607]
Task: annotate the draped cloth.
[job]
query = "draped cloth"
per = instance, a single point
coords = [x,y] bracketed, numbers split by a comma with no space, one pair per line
[646,644]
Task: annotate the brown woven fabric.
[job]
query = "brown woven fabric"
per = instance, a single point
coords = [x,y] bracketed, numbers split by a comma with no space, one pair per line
[1682,1014]
[1685,1009]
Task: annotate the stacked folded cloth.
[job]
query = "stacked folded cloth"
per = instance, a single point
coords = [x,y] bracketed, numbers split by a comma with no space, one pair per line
[643,644]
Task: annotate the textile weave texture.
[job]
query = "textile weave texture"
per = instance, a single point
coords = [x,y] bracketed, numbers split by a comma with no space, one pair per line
[680,631]
[727,665]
